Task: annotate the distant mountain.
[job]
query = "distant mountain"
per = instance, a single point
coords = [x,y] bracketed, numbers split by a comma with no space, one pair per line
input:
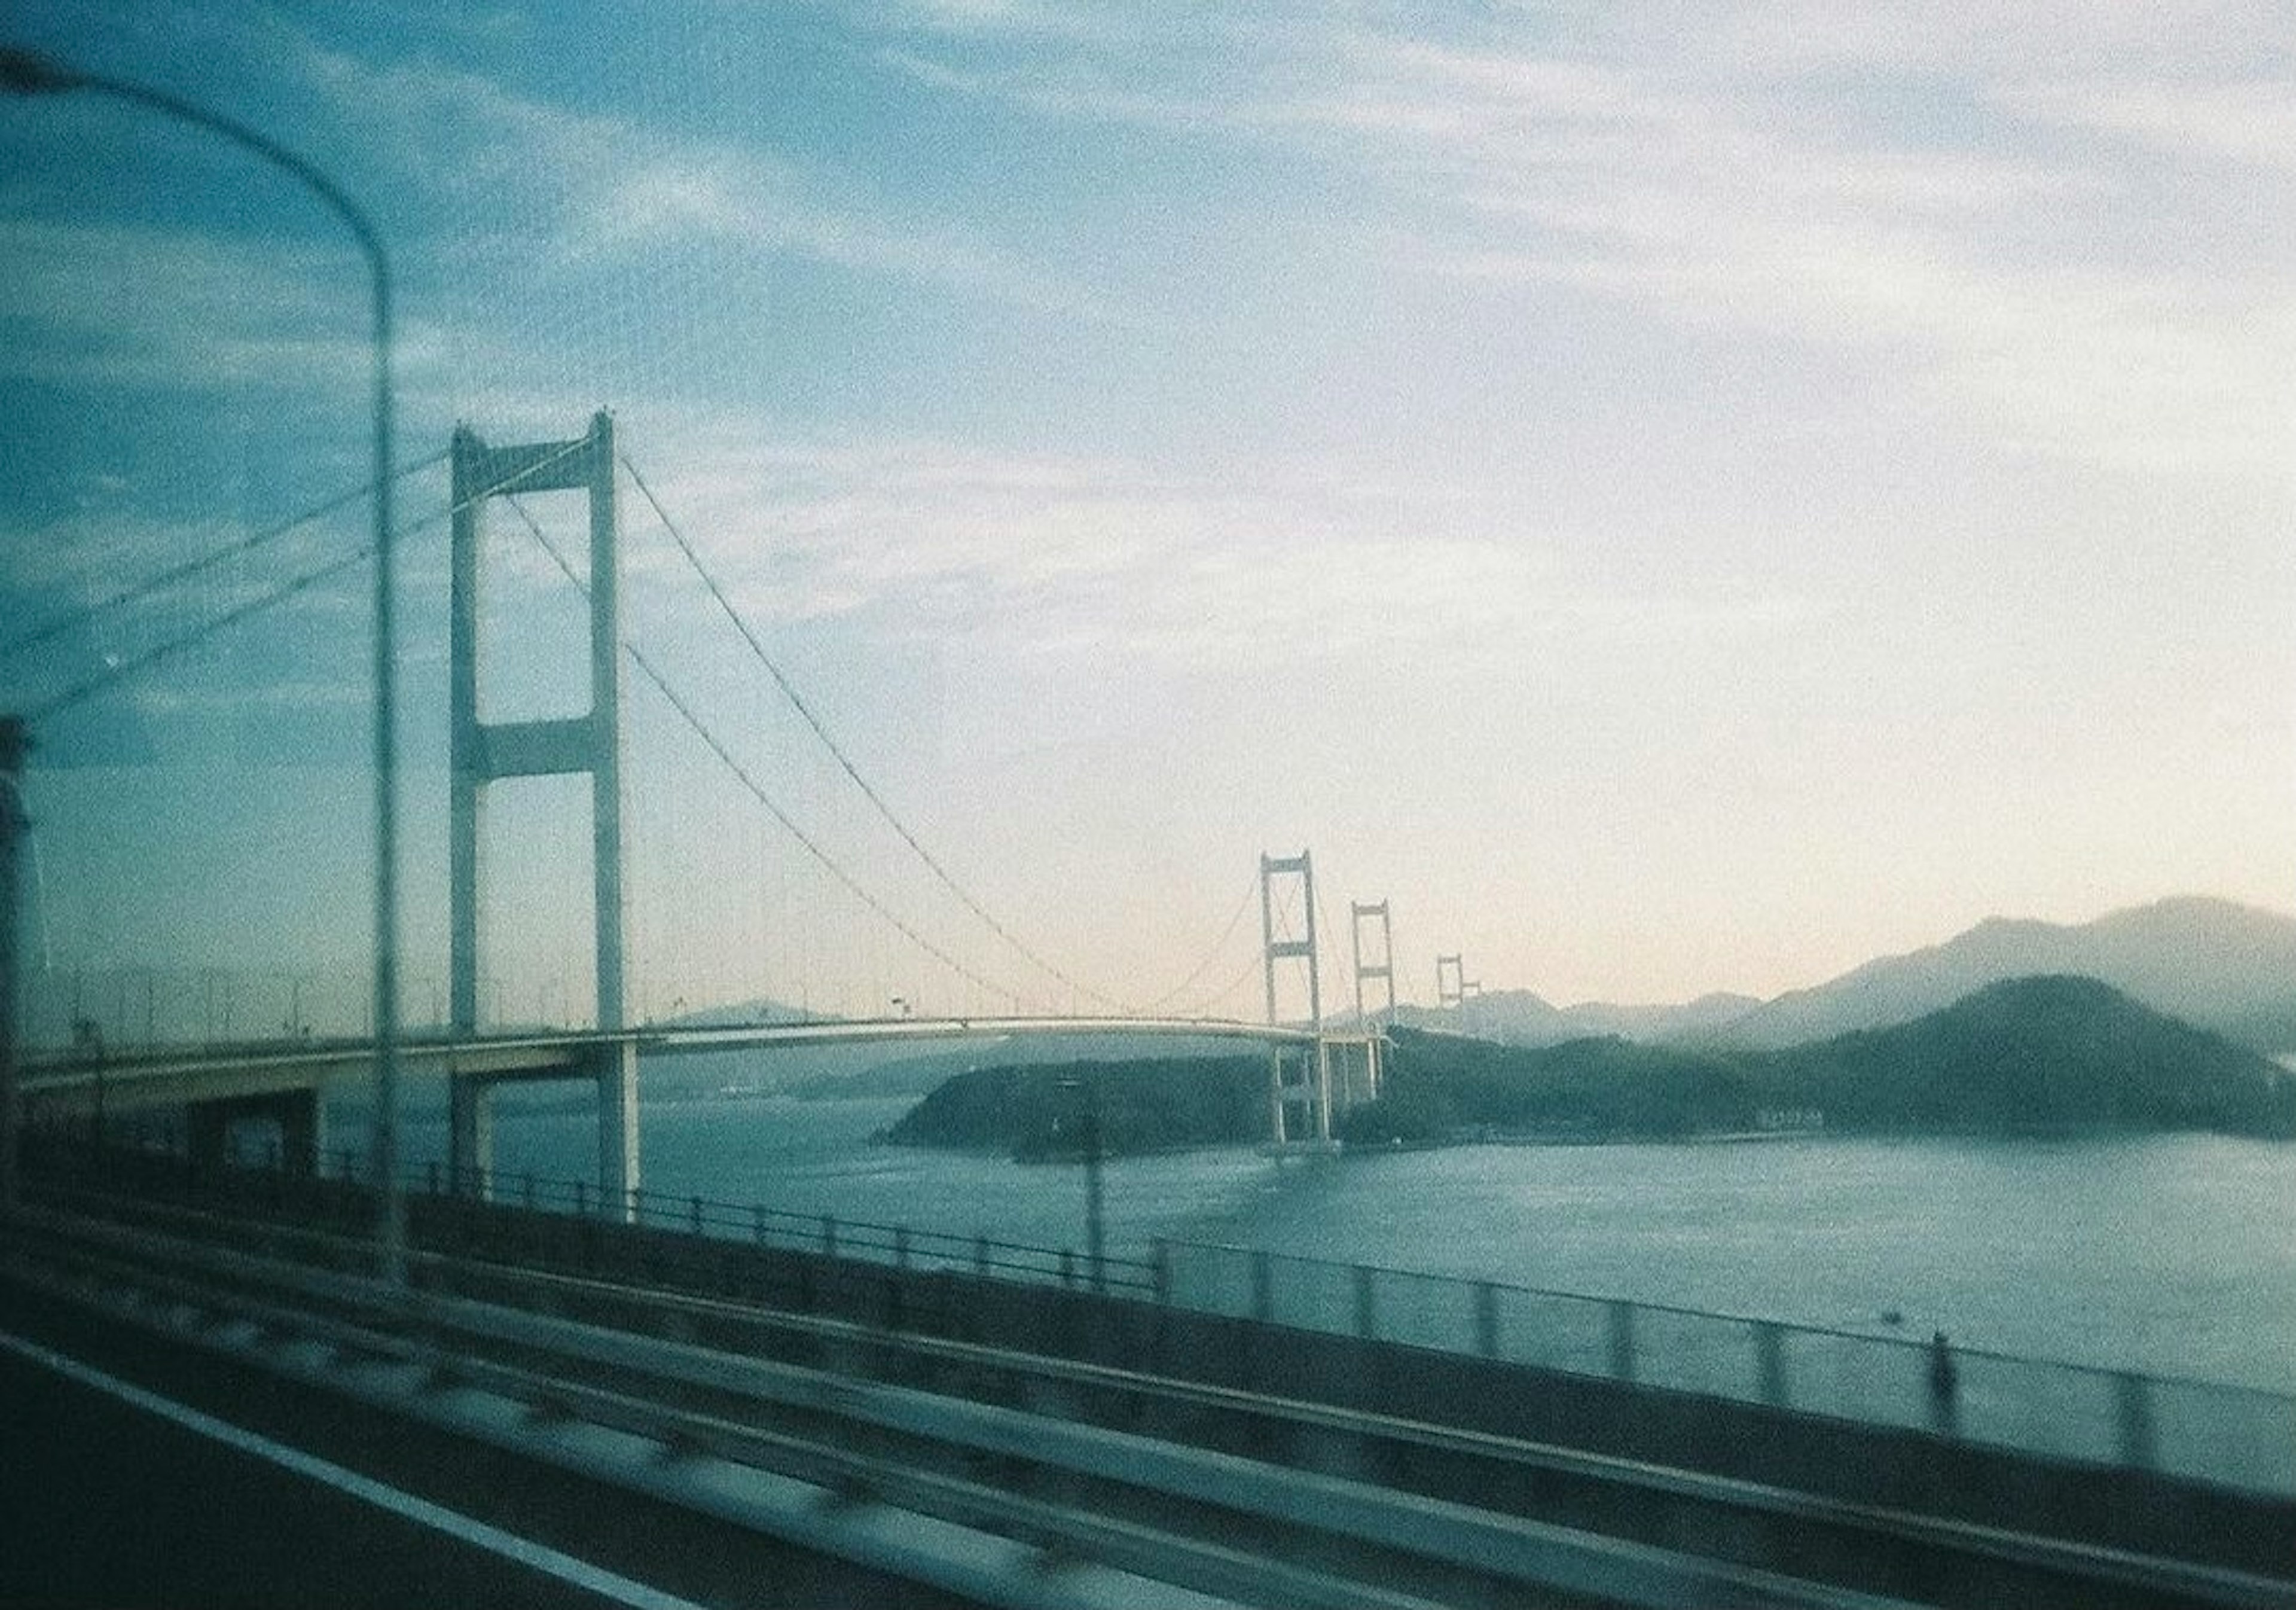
[2223,966]
[738,1014]
[1517,1017]
[2044,1054]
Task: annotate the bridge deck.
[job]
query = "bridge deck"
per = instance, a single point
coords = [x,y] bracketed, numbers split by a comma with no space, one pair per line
[171,1076]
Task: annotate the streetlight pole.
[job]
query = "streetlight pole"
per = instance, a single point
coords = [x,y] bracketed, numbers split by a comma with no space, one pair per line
[1095,1201]
[13,822]
[27,72]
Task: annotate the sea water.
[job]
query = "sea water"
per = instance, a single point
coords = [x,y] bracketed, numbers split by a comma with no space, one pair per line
[2171,1254]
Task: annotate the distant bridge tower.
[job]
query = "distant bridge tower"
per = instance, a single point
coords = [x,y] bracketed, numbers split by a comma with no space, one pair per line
[1450,981]
[1296,1076]
[1357,1075]
[1381,969]
[487,752]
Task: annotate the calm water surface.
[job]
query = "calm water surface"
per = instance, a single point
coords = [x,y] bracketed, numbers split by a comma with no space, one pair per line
[2171,1254]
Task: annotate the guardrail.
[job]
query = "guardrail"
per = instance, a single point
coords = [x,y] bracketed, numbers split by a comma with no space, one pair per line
[898,1246]
[2237,1436]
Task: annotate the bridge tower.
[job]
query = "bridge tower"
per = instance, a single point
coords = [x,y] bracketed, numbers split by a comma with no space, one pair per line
[1296,1076]
[1450,981]
[1381,969]
[1360,1082]
[488,752]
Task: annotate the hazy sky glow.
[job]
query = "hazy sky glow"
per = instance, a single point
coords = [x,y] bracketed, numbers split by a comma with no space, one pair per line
[1672,497]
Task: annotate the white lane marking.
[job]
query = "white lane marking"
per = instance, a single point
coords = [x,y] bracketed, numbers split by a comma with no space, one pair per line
[462,1528]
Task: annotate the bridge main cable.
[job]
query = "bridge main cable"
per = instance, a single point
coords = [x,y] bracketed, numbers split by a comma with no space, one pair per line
[168,649]
[726,756]
[797,701]
[177,573]
[1181,989]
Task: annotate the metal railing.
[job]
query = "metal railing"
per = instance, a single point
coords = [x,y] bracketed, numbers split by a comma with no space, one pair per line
[899,1246]
[896,1246]
[2237,1436]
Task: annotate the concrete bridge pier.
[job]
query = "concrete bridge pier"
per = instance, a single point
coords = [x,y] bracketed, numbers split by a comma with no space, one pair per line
[1355,1061]
[612,1068]
[471,1133]
[297,1114]
[1299,1084]
[616,1070]
[1320,1083]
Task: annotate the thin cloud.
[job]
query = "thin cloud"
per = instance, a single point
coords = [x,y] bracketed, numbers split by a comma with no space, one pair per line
[1050,558]
[2250,122]
[1693,171]
[592,183]
[756,199]
[153,306]
[1724,211]
[1770,40]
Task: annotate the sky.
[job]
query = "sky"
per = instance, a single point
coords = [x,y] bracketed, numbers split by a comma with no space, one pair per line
[1669,497]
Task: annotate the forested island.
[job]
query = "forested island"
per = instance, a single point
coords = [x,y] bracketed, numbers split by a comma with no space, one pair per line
[1050,1110]
[2055,1055]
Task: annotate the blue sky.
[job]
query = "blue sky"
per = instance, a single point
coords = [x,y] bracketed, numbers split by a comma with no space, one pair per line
[1670,497]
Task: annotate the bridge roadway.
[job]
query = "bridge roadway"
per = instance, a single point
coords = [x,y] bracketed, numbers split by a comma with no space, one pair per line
[69,1082]
[216,1087]
[138,1471]
[1026,1474]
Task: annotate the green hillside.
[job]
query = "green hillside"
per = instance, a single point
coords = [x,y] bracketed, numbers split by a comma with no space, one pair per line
[2047,1054]
[1142,1106]
[2035,1055]
[1440,1085]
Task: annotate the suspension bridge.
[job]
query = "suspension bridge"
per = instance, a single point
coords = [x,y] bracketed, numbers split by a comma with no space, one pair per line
[1316,1071]
[871,1407]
